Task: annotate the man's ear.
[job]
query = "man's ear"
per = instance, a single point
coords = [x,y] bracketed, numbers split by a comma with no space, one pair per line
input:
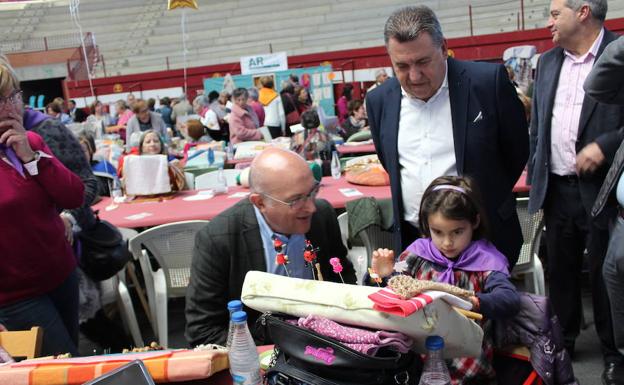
[583,12]
[445,48]
[257,200]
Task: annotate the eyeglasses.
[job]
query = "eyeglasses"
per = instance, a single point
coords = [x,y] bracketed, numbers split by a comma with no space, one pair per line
[14,98]
[299,202]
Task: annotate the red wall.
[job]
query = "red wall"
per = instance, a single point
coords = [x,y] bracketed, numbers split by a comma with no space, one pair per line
[483,47]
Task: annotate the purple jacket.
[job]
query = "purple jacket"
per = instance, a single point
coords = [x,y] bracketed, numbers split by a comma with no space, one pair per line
[537,327]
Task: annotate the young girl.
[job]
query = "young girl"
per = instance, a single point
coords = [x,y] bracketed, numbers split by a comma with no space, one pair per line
[455,251]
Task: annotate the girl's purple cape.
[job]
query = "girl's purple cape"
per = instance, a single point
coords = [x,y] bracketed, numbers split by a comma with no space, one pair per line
[480,255]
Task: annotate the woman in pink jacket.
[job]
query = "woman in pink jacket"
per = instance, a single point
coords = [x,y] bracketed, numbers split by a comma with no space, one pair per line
[242,126]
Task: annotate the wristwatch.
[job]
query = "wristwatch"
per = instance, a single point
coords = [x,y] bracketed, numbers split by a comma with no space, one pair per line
[31,166]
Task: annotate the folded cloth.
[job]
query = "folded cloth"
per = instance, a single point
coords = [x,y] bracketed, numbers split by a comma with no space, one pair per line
[387,301]
[146,174]
[361,340]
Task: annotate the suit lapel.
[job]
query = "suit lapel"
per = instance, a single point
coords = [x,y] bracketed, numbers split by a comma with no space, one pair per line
[550,89]
[391,120]
[590,104]
[459,93]
[253,245]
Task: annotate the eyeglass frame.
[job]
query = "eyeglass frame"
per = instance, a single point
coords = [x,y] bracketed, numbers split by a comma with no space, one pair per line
[311,195]
[16,96]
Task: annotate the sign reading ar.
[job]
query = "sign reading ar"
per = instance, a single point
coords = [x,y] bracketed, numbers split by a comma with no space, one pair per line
[264,63]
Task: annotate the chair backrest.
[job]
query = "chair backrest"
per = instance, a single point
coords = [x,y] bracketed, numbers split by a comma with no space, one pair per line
[209,179]
[189,178]
[531,225]
[32,100]
[26,343]
[40,102]
[172,247]
[266,134]
[374,237]
[343,222]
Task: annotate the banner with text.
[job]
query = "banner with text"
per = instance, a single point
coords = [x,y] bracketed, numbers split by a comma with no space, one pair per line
[258,64]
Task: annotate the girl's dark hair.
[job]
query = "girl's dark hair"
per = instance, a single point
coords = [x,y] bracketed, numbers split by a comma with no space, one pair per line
[354,105]
[88,140]
[310,119]
[347,91]
[453,204]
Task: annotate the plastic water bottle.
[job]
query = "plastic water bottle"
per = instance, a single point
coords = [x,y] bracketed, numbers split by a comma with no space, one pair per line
[233,307]
[116,192]
[211,157]
[244,361]
[221,187]
[230,150]
[335,165]
[435,371]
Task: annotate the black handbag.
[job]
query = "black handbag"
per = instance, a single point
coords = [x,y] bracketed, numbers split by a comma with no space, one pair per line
[104,252]
[304,357]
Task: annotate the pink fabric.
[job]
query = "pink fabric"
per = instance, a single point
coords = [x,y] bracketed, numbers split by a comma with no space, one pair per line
[567,109]
[388,301]
[123,119]
[36,256]
[242,126]
[259,110]
[343,111]
[361,340]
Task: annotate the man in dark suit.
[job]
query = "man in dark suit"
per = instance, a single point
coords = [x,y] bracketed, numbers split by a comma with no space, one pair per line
[441,116]
[605,84]
[282,204]
[573,141]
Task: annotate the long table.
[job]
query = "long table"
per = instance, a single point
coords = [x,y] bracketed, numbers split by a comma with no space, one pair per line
[182,207]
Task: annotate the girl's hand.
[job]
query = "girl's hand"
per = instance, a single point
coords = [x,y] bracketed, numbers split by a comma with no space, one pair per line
[476,304]
[13,134]
[383,262]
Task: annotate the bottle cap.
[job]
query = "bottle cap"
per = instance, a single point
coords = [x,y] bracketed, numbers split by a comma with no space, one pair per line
[434,343]
[239,316]
[235,305]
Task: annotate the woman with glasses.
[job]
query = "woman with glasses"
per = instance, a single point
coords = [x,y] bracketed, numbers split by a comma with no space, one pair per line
[38,279]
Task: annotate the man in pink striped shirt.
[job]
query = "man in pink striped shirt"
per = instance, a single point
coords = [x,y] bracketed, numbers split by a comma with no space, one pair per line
[573,141]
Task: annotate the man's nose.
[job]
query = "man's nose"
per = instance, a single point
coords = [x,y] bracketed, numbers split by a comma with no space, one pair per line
[414,74]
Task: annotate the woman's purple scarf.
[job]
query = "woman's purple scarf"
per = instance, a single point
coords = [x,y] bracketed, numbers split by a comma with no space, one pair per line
[31,119]
[480,255]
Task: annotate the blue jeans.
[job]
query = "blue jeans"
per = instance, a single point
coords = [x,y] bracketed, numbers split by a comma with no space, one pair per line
[613,272]
[55,312]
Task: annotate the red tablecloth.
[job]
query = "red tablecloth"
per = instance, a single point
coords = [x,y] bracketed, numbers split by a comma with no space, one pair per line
[521,185]
[147,214]
[360,149]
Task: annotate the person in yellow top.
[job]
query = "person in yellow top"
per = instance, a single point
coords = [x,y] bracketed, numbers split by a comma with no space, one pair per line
[274,116]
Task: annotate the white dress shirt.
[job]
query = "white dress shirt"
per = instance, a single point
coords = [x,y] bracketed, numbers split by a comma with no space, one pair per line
[566,114]
[425,146]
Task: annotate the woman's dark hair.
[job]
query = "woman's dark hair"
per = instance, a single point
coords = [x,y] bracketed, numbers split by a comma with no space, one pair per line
[165,101]
[240,92]
[310,119]
[212,96]
[453,204]
[347,91]
[88,140]
[354,105]
[163,150]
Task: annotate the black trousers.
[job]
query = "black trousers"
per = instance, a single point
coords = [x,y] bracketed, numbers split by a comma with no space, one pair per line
[569,230]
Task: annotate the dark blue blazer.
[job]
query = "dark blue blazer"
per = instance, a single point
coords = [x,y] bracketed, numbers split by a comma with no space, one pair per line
[493,150]
[600,123]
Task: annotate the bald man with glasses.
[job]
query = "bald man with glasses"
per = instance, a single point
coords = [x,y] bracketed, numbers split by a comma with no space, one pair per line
[281,206]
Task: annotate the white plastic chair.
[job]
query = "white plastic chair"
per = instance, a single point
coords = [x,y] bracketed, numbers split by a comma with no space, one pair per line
[355,253]
[172,247]
[126,308]
[209,179]
[529,263]
[124,301]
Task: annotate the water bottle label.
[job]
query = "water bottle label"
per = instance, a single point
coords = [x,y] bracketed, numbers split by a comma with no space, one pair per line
[246,379]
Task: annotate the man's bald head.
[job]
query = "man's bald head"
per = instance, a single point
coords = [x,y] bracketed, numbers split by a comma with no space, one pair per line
[273,166]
